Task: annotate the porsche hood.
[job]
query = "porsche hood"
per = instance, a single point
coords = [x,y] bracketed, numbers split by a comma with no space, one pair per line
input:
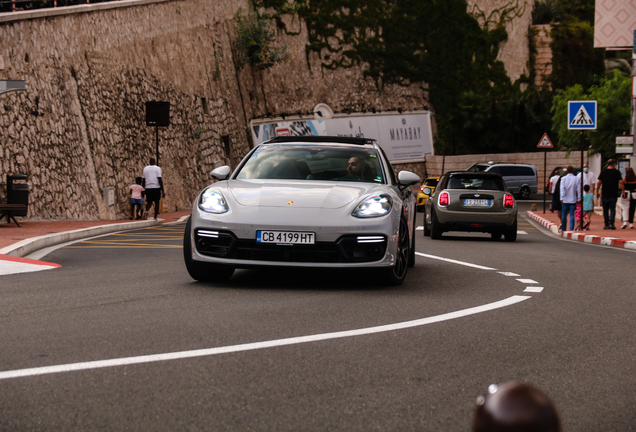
[326,195]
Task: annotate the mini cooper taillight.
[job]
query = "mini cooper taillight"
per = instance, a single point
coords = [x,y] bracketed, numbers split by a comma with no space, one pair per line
[444,199]
[509,201]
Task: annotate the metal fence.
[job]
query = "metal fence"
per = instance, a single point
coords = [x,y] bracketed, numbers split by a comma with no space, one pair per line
[21,5]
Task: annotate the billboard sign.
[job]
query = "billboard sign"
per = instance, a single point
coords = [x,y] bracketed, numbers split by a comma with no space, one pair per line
[404,137]
[614,24]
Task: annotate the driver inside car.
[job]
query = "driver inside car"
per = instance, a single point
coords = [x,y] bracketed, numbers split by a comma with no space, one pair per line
[357,169]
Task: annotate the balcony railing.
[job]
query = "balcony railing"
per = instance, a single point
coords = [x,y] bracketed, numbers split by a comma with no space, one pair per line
[21,5]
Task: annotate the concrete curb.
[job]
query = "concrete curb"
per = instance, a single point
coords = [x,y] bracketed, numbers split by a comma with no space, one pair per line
[582,237]
[25,247]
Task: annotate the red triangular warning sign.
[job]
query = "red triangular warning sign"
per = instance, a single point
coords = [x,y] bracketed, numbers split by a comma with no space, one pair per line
[545,142]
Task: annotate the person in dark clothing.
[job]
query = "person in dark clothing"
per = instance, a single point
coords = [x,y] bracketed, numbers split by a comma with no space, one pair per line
[556,199]
[607,190]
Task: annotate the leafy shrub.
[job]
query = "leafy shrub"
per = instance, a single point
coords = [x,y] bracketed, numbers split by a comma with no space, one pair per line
[254,43]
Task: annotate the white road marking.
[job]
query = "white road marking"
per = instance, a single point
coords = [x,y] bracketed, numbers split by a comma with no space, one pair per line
[527,281]
[20,373]
[533,289]
[509,274]
[421,228]
[10,264]
[455,261]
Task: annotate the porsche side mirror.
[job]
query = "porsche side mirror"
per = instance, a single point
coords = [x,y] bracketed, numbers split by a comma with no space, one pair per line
[221,173]
[407,178]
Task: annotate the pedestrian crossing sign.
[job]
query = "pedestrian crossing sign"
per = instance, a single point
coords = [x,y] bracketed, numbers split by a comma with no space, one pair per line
[582,115]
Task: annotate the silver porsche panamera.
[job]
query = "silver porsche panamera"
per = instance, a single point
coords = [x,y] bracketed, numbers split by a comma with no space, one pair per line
[330,202]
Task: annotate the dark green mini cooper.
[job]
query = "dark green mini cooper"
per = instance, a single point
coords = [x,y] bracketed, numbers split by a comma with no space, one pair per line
[471,201]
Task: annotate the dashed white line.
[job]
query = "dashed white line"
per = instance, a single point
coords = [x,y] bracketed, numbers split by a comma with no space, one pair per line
[455,261]
[533,289]
[527,281]
[509,274]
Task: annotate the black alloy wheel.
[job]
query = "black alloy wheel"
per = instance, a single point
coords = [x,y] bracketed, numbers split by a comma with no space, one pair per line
[524,193]
[396,274]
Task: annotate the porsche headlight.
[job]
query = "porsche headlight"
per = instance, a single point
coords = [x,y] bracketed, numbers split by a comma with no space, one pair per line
[213,201]
[374,206]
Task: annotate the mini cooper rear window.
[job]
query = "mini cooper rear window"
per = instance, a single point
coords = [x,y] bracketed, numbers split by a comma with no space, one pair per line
[473,182]
[313,162]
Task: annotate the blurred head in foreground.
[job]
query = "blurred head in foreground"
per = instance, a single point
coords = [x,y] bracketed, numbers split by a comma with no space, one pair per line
[515,407]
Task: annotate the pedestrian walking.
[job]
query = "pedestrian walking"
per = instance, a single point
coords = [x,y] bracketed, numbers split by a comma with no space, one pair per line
[627,186]
[578,213]
[607,188]
[570,195]
[153,184]
[588,207]
[556,197]
[136,199]
[554,179]
[588,178]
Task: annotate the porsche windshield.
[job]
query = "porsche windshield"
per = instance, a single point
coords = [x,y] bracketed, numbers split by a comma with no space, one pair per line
[314,162]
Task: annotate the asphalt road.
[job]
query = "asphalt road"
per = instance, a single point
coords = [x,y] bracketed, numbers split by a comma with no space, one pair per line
[232,357]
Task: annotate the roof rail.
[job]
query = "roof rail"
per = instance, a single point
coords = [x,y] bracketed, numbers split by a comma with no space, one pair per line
[321,139]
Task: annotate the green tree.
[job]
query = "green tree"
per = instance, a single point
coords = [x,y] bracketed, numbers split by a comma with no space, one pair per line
[255,39]
[613,96]
[441,44]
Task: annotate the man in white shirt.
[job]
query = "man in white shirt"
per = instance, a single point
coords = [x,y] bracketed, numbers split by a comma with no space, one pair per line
[152,182]
[570,195]
[588,178]
[553,181]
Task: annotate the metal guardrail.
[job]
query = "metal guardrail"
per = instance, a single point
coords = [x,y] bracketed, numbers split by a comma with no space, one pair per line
[21,5]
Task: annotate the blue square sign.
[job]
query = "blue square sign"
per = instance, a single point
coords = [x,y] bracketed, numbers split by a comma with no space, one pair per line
[582,115]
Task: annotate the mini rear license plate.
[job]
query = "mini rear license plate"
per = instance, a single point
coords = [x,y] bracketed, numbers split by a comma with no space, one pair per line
[471,202]
[285,237]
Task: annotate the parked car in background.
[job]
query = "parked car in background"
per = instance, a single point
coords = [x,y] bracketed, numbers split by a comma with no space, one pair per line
[471,202]
[521,179]
[313,201]
[561,170]
[430,183]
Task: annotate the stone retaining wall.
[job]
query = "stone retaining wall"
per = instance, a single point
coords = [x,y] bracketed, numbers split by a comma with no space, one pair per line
[80,126]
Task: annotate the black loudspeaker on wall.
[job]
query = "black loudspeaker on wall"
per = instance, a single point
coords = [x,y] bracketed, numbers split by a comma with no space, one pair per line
[157,113]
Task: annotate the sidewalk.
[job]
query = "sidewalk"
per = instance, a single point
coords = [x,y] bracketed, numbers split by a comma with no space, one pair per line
[622,238]
[34,235]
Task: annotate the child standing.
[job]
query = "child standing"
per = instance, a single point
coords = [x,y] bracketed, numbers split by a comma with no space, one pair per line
[588,207]
[136,200]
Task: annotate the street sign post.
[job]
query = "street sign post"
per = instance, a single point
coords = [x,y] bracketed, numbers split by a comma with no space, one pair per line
[582,115]
[545,144]
[625,144]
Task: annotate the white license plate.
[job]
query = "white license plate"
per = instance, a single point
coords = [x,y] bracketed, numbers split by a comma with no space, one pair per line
[285,237]
[470,202]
